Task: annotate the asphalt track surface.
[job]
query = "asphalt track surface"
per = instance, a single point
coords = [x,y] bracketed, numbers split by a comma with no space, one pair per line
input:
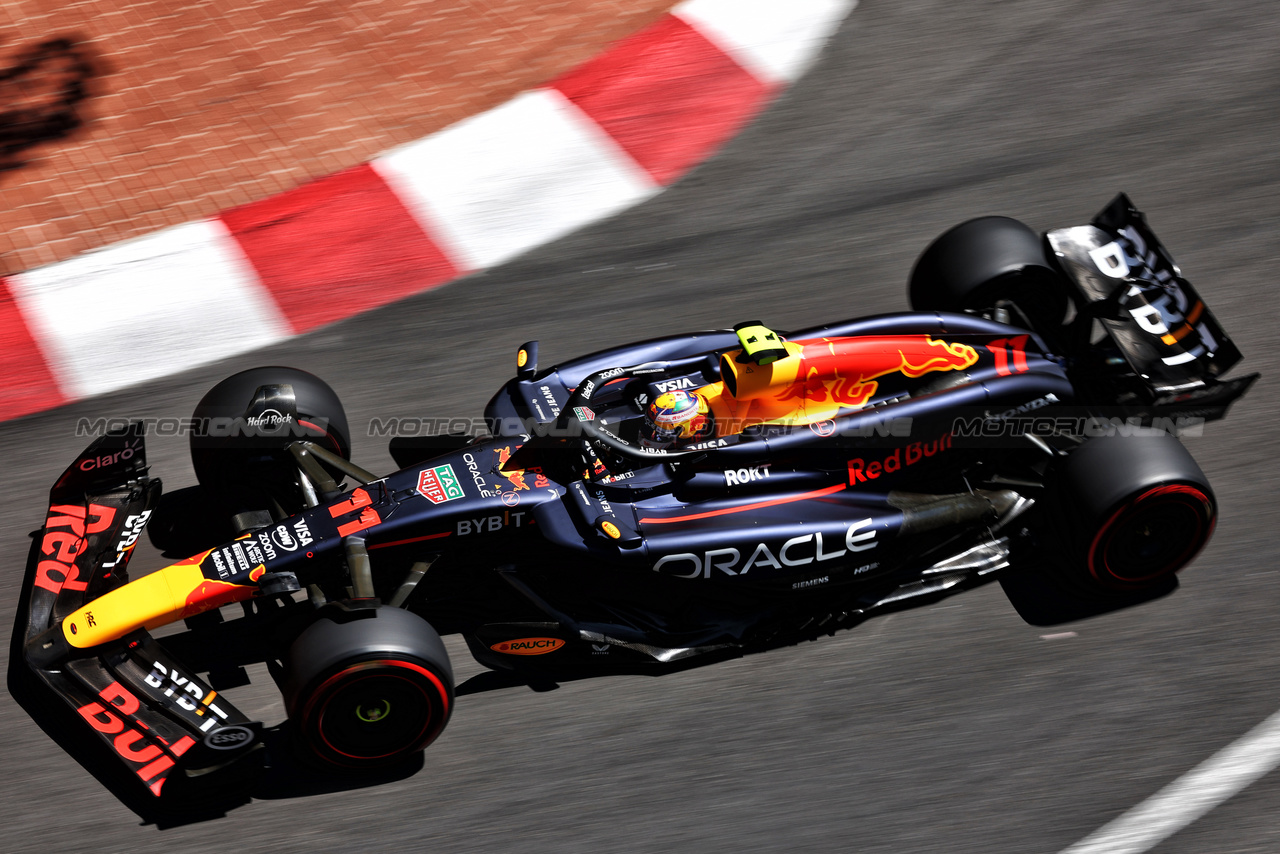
[954,727]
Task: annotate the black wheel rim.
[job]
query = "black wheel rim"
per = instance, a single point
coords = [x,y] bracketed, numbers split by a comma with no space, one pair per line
[1151,537]
[376,711]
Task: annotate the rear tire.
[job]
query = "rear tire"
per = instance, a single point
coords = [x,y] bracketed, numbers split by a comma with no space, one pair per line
[368,689]
[1137,510]
[978,263]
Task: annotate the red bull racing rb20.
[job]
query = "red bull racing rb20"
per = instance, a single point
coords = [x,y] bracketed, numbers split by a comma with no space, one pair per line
[659,505]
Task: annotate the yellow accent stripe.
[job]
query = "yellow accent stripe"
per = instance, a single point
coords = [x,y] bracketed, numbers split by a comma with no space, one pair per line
[152,600]
[208,698]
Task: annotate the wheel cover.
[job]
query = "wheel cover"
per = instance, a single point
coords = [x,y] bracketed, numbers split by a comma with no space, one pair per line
[375,711]
[1151,536]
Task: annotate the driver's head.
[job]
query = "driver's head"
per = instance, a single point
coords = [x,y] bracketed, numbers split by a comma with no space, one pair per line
[675,419]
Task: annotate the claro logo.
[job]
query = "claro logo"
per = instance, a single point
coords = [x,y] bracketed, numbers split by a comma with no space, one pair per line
[528,646]
[91,463]
[797,551]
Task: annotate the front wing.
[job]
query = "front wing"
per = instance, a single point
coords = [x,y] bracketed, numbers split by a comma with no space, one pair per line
[131,704]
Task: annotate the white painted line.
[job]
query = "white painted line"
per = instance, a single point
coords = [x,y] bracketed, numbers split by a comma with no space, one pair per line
[774,40]
[147,308]
[1186,799]
[522,174]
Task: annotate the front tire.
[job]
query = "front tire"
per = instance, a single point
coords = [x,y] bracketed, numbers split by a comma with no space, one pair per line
[368,688]
[243,463]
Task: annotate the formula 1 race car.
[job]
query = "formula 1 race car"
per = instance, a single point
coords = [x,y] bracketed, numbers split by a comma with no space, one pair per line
[1018,425]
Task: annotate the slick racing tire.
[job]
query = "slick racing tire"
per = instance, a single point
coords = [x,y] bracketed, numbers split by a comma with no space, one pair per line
[978,263]
[367,688]
[1138,509]
[238,446]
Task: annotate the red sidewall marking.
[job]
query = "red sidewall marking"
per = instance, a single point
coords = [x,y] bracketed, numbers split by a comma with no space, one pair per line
[333,440]
[1102,540]
[367,665]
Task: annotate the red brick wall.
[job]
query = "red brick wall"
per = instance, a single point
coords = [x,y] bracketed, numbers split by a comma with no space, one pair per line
[193,108]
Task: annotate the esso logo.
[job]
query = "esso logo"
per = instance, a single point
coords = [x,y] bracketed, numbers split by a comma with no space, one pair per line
[229,737]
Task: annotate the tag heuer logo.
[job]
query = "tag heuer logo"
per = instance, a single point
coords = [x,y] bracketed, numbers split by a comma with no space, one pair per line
[439,485]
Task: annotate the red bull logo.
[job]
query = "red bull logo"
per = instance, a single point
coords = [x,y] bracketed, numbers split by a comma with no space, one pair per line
[66,529]
[861,471]
[822,379]
[844,371]
[108,714]
[519,478]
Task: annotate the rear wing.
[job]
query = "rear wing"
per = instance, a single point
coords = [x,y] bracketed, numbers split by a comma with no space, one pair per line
[1129,283]
[167,730]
